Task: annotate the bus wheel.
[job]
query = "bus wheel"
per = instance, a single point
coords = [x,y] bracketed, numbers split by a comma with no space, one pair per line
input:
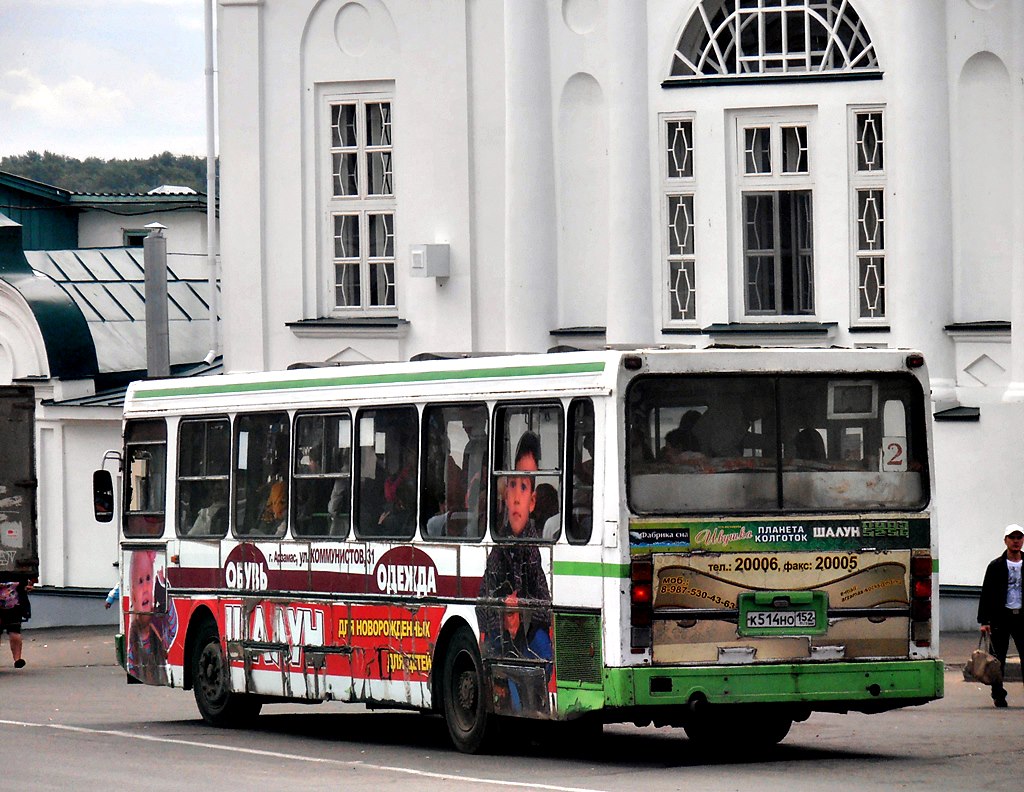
[765,729]
[470,725]
[772,729]
[216,703]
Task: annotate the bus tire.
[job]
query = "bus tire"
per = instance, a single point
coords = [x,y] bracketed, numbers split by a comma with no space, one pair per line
[765,729]
[773,729]
[470,725]
[210,685]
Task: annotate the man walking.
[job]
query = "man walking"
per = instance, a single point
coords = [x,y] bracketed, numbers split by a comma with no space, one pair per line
[1000,610]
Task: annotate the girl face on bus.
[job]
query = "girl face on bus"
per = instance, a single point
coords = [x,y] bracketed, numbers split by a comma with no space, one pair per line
[142,584]
[520,497]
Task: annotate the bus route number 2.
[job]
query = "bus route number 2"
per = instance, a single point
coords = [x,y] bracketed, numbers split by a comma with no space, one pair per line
[894,454]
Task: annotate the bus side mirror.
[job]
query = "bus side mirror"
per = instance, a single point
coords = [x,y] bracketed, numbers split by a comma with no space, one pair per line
[103,495]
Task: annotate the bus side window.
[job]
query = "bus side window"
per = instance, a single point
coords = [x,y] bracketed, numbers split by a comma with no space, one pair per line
[261,474]
[145,478]
[322,475]
[580,480]
[387,456]
[454,489]
[204,461]
[529,442]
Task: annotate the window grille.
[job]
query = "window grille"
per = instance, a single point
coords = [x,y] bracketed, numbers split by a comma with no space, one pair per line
[724,38]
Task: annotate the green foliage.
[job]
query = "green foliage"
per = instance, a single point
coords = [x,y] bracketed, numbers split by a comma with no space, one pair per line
[94,175]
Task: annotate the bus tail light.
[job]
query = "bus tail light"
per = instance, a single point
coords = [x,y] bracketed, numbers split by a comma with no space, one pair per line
[921,599]
[641,604]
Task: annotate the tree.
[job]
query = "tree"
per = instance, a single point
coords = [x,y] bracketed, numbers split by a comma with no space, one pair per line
[95,175]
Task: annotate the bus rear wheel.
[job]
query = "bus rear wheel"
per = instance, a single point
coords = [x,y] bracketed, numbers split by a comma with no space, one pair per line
[470,725]
[762,729]
[217,704]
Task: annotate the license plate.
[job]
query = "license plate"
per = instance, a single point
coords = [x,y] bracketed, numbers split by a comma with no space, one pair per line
[781,619]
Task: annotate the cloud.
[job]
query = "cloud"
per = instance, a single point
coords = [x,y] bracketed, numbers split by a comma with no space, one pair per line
[78,117]
[73,101]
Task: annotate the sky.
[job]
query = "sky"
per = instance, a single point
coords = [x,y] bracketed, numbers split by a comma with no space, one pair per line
[102,78]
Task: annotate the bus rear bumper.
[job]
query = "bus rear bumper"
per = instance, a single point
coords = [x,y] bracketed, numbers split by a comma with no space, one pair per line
[821,687]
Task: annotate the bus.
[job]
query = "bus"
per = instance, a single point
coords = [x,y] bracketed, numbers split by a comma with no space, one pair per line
[694,538]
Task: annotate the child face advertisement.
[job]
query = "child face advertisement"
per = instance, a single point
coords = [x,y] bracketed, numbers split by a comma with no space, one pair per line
[152,620]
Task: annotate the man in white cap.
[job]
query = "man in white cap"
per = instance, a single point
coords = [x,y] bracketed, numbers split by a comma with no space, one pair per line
[1000,610]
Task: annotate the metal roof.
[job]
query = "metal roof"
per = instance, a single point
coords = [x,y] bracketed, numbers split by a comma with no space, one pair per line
[114,397]
[108,286]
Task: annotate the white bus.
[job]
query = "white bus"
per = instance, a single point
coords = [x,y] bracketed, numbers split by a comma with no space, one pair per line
[682,537]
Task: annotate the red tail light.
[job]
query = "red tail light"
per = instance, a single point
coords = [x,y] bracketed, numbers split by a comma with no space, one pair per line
[921,599]
[640,596]
[641,600]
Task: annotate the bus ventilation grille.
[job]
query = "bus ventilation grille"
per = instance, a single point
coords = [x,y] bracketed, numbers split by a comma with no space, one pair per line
[578,648]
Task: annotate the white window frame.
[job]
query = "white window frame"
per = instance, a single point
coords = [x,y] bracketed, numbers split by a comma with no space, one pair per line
[774,182]
[361,205]
[675,186]
[861,181]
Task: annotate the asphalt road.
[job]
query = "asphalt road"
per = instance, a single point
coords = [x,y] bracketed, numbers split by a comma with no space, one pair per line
[68,721]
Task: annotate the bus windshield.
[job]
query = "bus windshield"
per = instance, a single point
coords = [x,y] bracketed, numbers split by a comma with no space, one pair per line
[760,443]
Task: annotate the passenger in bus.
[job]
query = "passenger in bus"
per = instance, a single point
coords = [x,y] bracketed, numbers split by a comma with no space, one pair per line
[727,429]
[399,494]
[680,446]
[275,508]
[465,499]
[212,518]
[545,513]
[807,444]
[516,620]
[474,470]
[338,506]
[683,438]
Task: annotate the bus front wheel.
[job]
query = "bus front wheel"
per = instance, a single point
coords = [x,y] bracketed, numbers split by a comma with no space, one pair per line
[212,689]
[470,724]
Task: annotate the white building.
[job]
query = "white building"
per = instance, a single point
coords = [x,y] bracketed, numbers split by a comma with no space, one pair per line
[808,172]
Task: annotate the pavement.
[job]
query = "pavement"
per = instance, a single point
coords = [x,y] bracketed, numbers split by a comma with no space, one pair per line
[57,647]
[64,647]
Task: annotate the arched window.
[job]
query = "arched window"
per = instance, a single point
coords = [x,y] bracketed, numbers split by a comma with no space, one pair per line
[773,38]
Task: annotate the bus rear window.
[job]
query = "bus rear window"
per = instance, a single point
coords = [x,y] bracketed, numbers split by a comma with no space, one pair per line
[740,444]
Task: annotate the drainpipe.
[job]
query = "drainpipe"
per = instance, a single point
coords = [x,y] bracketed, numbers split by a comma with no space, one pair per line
[211,181]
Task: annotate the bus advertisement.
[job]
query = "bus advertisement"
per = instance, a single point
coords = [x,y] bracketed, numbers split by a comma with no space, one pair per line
[683,537]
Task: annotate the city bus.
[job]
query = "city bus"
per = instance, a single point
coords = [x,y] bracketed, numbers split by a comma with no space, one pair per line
[691,538]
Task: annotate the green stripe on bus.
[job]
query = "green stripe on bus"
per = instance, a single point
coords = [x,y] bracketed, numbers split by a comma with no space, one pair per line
[371,379]
[591,569]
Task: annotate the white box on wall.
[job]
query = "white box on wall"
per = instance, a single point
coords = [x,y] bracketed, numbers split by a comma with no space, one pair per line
[429,261]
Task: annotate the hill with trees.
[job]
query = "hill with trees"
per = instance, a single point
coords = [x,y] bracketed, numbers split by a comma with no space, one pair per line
[95,175]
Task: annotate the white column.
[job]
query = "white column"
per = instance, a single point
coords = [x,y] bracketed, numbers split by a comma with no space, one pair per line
[918,130]
[242,204]
[1015,390]
[531,264]
[631,316]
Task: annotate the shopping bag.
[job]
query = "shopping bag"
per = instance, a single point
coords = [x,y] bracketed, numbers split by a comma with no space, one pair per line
[982,666]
